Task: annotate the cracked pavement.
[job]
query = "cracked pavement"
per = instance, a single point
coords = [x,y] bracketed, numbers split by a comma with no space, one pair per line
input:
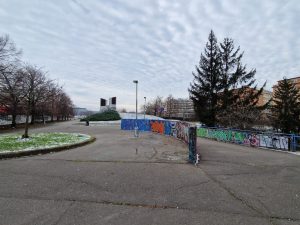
[119,179]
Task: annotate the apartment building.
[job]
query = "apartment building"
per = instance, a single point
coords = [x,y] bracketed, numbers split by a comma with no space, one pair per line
[295,80]
[180,109]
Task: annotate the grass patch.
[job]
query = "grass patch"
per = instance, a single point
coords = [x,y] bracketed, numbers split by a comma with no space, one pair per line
[14,142]
[104,116]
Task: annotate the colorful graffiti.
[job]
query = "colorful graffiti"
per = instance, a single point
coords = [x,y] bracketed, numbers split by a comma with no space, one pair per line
[172,127]
[222,135]
[249,138]
[158,126]
[177,129]
[182,131]
[273,141]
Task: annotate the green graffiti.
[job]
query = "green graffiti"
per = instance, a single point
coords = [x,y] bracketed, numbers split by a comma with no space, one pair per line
[239,137]
[202,132]
[222,135]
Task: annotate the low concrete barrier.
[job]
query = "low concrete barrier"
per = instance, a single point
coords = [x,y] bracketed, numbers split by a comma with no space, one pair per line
[178,129]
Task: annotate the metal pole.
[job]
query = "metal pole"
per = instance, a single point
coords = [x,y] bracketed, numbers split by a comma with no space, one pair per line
[136,100]
[145,109]
[136,134]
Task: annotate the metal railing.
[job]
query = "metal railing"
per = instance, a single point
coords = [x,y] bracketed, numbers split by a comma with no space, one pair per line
[281,141]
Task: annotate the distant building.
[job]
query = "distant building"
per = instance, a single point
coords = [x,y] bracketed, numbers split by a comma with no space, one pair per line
[113,103]
[295,80]
[264,98]
[180,109]
[80,111]
[111,106]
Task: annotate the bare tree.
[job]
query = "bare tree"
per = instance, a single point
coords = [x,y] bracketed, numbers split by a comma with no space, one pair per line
[8,50]
[54,91]
[65,106]
[158,103]
[34,86]
[154,107]
[11,93]
[240,115]
[149,108]
[169,105]
[10,79]
[26,89]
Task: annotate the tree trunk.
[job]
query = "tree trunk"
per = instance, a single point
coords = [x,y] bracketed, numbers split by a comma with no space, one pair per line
[14,116]
[25,135]
[44,121]
[13,121]
[32,116]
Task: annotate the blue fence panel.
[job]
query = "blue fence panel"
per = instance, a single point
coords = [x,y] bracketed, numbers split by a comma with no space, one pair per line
[296,143]
[130,124]
[127,124]
[143,125]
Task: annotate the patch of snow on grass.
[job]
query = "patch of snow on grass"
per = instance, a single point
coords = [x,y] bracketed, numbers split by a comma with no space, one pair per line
[14,143]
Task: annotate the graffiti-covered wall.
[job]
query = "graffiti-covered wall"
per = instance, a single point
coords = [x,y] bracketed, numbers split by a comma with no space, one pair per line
[177,129]
[249,138]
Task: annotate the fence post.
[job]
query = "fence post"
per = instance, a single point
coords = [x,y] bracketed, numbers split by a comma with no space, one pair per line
[192,144]
[294,143]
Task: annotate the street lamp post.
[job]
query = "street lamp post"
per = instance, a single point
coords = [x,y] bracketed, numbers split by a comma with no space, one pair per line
[145,109]
[136,129]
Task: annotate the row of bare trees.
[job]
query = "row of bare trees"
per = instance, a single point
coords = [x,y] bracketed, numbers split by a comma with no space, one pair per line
[160,107]
[25,89]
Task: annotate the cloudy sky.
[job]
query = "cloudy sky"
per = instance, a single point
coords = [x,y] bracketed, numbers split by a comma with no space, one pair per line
[97,47]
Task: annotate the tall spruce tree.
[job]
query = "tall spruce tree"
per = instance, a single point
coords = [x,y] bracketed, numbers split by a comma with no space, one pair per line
[205,87]
[239,95]
[286,108]
[223,91]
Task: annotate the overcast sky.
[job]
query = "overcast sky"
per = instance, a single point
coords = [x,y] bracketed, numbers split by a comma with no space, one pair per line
[97,47]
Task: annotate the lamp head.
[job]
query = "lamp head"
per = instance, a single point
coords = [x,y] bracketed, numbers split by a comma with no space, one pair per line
[135,81]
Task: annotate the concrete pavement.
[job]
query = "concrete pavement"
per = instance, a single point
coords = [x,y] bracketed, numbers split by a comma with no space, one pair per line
[122,180]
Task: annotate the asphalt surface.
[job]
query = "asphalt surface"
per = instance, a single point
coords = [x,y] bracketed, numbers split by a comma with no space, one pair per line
[119,179]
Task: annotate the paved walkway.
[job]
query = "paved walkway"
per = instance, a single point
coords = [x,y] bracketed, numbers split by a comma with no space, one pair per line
[122,180]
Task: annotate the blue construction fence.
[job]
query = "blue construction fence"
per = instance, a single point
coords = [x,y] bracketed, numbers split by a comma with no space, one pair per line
[280,141]
[178,129]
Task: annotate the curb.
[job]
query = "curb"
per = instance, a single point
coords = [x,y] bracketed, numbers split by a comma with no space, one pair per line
[9,155]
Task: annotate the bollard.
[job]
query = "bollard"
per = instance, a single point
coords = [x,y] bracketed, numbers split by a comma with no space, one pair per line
[192,144]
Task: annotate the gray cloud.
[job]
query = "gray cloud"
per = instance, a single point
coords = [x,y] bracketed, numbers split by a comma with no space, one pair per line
[96,48]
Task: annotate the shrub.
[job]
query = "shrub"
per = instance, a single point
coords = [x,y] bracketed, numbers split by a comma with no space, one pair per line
[104,116]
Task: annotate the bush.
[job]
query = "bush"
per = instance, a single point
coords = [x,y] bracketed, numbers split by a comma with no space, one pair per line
[104,116]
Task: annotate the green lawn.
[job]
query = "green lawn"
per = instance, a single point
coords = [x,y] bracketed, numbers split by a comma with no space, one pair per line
[14,142]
